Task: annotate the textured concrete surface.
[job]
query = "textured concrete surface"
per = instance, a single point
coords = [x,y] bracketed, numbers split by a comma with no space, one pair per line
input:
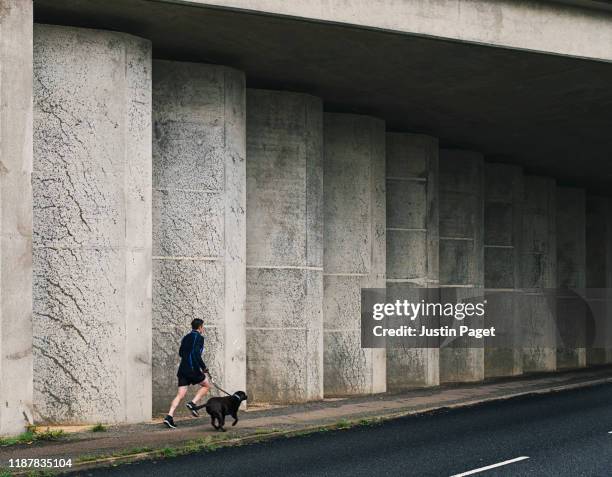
[571,273]
[199,220]
[599,275]
[354,251]
[462,252]
[412,244]
[284,246]
[334,65]
[92,249]
[539,271]
[530,25]
[92,225]
[15,215]
[502,264]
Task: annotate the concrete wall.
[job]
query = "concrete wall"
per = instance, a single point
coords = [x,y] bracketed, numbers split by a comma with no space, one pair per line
[412,244]
[538,272]
[502,264]
[284,246]
[92,225]
[199,220]
[599,276]
[15,215]
[571,271]
[462,251]
[354,255]
[531,25]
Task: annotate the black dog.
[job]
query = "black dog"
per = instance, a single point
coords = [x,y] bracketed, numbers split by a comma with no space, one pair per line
[219,407]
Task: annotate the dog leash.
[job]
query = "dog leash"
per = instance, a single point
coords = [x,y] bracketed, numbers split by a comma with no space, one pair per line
[215,385]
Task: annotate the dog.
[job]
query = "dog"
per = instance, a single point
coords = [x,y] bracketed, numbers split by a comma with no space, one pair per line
[219,407]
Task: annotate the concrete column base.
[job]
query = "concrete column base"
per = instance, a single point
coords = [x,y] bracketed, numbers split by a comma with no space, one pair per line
[284,246]
[599,278]
[462,251]
[199,221]
[571,273]
[354,249]
[412,244]
[92,226]
[503,232]
[15,215]
[539,271]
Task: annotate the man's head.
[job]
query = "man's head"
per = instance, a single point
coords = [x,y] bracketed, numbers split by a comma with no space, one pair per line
[197,325]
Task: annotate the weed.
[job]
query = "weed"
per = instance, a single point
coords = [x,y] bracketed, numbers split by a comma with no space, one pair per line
[168,452]
[343,424]
[32,434]
[49,435]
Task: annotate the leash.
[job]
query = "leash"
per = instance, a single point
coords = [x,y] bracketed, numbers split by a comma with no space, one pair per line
[218,387]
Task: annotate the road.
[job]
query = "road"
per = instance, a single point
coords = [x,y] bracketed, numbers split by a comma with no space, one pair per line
[560,434]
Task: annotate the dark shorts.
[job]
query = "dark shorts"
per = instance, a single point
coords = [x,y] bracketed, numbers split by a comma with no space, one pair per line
[188,380]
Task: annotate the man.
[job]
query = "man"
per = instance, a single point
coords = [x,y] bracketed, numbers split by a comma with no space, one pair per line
[192,370]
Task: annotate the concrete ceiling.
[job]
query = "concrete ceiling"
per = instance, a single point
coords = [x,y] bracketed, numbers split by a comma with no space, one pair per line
[551,114]
[593,4]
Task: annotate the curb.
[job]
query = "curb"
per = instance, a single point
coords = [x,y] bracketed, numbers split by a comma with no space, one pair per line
[348,423]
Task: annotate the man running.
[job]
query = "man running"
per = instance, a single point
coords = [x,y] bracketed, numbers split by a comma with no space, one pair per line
[192,370]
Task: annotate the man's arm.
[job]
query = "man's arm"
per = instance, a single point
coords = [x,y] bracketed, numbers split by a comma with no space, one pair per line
[199,355]
[182,351]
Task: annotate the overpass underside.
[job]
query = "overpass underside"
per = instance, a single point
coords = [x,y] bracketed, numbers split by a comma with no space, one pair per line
[256,171]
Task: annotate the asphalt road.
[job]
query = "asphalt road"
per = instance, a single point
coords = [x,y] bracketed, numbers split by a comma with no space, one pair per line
[562,434]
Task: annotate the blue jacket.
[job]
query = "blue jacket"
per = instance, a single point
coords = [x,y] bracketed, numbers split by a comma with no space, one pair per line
[192,347]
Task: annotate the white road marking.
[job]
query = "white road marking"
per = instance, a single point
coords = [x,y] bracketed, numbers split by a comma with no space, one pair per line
[489,467]
[609,432]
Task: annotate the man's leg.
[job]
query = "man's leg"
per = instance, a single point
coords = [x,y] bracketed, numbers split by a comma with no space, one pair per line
[182,390]
[203,391]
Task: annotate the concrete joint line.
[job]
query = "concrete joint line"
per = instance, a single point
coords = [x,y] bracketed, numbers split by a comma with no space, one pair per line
[408,280]
[346,274]
[195,259]
[469,285]
[86,248]
[271,328]
[407,179]
[283,267]
[467,239]
[179,189]
[501,290]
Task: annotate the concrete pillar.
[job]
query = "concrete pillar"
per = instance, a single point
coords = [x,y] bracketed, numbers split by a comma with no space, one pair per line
[354,248]
[15,215]
[412,244]
[502,259]
[199,220]
[92,225]
[571,273]
[462,251]
[599,276]
[284,246]
[539,274]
